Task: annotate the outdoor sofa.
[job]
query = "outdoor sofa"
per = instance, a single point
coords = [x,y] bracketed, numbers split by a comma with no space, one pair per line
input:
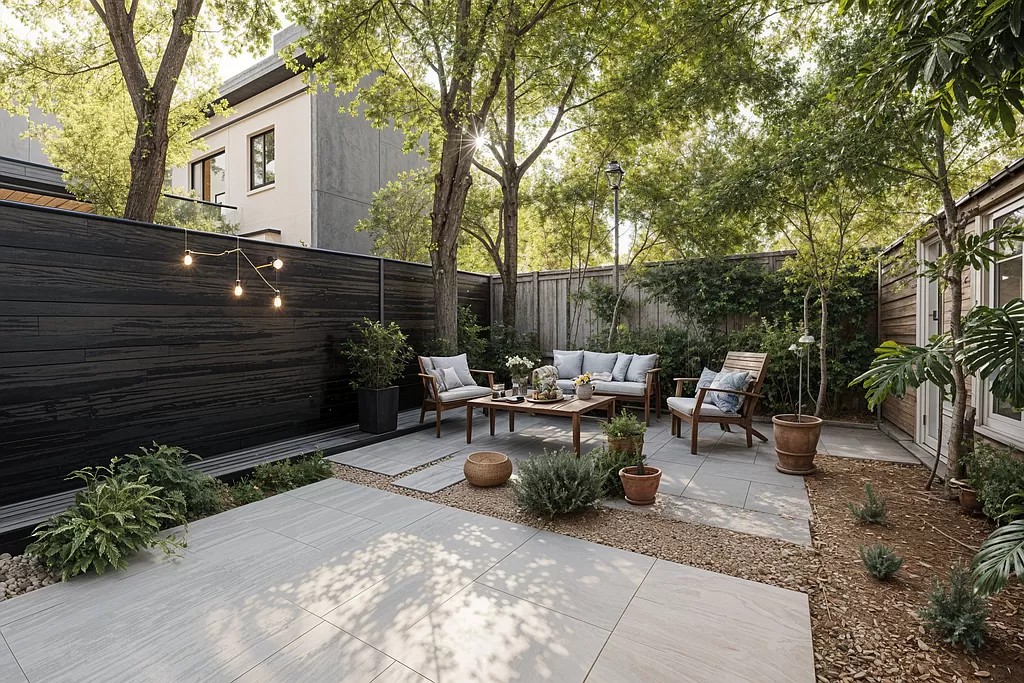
[631,378]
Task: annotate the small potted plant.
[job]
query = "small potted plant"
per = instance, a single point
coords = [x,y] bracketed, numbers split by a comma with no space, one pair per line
[625,433]
[640,482]
[796,435]
[519,368]
[584,386]
[377,356]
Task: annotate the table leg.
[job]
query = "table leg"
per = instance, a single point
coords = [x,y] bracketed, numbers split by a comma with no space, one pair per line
[491,412]
[511,420]
[611,409]
[469,424]
[576,433]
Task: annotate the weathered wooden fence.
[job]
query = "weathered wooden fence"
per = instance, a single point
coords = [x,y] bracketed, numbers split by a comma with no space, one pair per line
[548,305]
[107,341]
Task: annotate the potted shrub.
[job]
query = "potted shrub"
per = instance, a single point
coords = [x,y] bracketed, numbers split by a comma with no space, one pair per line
[640,482]
[625,433]
[377,356]
[796,435]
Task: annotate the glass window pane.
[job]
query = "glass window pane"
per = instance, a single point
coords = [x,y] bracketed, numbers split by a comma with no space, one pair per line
[269,155]
[256,160]
[218,179]
[1006,410]
[1008,280]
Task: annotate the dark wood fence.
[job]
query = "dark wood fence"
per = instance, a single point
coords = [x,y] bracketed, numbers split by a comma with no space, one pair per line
[107,341]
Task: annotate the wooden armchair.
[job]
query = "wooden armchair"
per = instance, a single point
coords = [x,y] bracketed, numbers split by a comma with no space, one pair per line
[696,411]
[440,401]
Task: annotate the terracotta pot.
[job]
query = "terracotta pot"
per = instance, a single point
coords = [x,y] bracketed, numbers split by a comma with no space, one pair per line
[796,443]
[631,445]
[969,500]
[585,391]
[640,489]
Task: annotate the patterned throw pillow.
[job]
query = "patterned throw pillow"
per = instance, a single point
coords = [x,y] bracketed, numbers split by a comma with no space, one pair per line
[451,379]
[736,381]
[707,376]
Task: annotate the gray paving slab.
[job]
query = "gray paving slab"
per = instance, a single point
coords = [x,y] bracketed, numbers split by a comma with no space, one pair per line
[675,476]
[717,489]
[778,500]
[431,479]
[371,463]
[590,582]
[324,653]
[9,669]
[759,472]
[399,673]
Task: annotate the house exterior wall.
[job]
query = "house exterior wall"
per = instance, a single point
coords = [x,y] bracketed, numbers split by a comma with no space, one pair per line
[14,146]
[284,205]
[897,306]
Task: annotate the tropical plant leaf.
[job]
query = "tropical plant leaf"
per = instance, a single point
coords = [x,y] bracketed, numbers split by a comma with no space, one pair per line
[1000,557]
[897,368]
[993,348]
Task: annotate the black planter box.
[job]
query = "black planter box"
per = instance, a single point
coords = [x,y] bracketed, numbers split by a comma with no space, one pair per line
[378,410]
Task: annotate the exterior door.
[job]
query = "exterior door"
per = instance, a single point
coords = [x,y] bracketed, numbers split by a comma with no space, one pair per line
[930,323]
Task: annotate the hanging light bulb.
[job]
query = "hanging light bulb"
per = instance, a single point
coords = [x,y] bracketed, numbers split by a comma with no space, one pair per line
[188,257]
[278,264]
[277,300]
[238,288]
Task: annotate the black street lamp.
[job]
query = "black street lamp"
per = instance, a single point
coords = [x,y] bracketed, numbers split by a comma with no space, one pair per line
[614,172]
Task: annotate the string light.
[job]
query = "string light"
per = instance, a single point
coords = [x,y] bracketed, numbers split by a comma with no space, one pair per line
[276,263]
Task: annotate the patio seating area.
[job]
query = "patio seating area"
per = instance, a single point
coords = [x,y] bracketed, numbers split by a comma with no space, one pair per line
[334,581]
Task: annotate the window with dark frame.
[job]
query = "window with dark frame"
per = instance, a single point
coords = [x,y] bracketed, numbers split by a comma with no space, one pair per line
[261,159]
[208,180]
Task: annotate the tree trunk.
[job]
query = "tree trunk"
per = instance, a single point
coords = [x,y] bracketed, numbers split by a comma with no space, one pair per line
[510,202]
[451,185]
[148,160]
[822,358]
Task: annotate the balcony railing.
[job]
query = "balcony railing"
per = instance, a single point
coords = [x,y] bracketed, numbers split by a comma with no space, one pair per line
[196,214]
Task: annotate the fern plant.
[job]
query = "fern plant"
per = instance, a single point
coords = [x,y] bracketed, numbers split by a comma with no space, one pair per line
[956,612]
[558,483]
[185,491]
[114,517]
[875,510]
[1001,556]
[881,562]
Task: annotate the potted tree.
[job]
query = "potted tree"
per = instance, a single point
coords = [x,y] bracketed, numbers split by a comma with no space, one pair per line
[377,355]
[640,482]
[796,435]
[625,433]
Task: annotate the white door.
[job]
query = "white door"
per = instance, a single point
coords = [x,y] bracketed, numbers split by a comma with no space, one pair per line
[931,323]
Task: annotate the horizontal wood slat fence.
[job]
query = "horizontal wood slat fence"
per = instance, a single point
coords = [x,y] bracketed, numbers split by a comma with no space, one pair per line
[108,342]
[547,306]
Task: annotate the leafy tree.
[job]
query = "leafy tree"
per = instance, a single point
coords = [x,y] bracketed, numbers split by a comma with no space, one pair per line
[399,219]
[68,68]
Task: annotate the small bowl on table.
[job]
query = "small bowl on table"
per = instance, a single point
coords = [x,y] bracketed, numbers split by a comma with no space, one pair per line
[487,468]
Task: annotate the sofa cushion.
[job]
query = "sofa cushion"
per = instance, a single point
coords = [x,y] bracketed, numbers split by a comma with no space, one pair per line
[639,366]
[451,379]
[464,393]
[458,363]
[621,366]
[569,363]
[620,388]
[737,381]
[707,409]
[566,385]
[599,362]
[426,364]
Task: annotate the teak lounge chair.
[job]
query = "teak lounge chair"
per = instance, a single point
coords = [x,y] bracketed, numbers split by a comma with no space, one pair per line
[699,410]
[439,400]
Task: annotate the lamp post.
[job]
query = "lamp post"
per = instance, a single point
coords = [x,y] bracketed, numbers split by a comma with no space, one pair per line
[614,172]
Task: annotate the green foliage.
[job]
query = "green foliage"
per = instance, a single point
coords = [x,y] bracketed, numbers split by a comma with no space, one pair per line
[997,475]
[399,217]
[1001,555]
[600,297]
[956,612]
[245,491]
[114,516]
[505,341]
[609,463]
[623,425]
[377,355]
[880,561]
[875,510]
[185,492]
[993,348]
[472,341]
[272,478]
[557,483]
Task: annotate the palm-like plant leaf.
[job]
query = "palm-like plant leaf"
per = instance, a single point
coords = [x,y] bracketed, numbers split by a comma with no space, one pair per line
[1000,557]
[993,348]
[897,368]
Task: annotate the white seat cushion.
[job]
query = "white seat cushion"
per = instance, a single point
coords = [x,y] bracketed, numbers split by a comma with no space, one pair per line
[566,385]
[620,388]
[458,363]
[463,393]
[707,408]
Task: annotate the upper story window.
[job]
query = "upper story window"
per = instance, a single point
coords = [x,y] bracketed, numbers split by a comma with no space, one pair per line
[261,159]
[208,180]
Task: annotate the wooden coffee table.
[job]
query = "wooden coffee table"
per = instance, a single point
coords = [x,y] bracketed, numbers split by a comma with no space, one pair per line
[570,407]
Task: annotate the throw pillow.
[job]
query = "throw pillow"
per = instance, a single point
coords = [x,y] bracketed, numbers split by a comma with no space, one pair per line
[601,377]
[569,363]
[639,366]
[452,379]
[621,367]
[736,381]
[599,362]
[707,376]
[438,380]
[458,363]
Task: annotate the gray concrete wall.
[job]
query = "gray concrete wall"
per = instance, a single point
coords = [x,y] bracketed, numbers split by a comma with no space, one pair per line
[351,161]
[13,146]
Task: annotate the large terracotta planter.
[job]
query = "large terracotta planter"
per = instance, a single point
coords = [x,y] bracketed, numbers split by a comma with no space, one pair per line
[796,443]
[631,445]
[640,489]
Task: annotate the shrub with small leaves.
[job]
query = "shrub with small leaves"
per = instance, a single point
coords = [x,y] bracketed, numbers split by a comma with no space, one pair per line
[609,463]
[185,491]
[245,491]
[114,517]
[956,612]
[285,475]
[311,469]
[558,483]
[881,562]
[875,510]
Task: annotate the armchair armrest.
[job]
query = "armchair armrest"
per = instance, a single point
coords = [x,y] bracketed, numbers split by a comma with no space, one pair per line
[737,392]
[429,386]
[489,373]
[652,378]
[679,383]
